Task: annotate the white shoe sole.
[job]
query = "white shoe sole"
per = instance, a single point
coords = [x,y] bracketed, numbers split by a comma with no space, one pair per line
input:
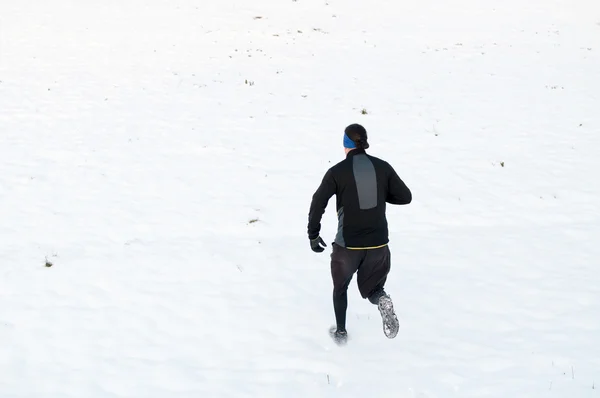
[388,317]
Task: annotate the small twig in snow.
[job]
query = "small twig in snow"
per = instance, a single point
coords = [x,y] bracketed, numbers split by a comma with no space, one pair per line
[572,372]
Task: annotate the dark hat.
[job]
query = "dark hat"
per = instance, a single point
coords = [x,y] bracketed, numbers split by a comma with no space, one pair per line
[358,135]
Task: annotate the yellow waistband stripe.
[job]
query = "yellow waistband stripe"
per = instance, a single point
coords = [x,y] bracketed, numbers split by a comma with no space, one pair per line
[366,248]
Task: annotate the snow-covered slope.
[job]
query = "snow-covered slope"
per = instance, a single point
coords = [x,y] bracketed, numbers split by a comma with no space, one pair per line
[138,140]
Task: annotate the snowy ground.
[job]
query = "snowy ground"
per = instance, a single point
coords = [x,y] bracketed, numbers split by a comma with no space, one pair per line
[139,139]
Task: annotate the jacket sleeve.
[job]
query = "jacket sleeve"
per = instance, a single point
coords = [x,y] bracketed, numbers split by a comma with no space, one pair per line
[398,192]
[318,204]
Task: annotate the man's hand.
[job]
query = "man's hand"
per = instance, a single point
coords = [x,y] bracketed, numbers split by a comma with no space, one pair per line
[316,243]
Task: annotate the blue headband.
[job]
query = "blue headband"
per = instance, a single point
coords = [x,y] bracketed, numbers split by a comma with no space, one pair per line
[348,143]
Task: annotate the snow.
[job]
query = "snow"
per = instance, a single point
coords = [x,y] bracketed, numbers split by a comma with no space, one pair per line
[139,139]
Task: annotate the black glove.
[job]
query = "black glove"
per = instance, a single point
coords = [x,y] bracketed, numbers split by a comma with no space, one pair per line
[315,244]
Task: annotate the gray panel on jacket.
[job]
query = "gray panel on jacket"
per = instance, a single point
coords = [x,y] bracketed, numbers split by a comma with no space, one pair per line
[366,182]
[339,237]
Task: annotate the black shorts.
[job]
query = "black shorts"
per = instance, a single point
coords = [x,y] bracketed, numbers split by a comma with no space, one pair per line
[371,265]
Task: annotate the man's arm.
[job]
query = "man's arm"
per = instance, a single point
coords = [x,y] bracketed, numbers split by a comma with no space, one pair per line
[398,192]
[318,204]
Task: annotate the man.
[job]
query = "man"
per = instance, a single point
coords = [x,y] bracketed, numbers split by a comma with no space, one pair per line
[363,184]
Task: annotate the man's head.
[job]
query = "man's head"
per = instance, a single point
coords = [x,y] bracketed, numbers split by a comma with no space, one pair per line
[355,136]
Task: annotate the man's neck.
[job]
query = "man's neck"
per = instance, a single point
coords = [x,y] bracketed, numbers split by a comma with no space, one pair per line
[354,151]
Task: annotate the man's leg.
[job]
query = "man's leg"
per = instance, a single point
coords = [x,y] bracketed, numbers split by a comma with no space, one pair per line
[372,275]
[344,264]
[373,272]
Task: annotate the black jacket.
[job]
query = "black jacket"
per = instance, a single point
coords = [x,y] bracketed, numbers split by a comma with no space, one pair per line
[363,184]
